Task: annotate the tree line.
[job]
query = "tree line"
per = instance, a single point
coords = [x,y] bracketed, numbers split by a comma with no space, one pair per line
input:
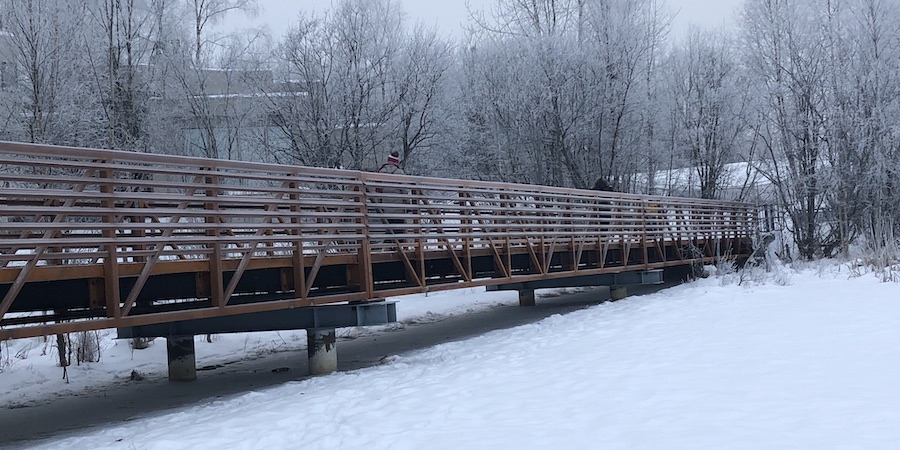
[796,106]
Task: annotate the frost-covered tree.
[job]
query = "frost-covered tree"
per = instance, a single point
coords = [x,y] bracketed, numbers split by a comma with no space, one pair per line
[338,67]
[826,75]
[711,105]
[629,38]
[864,83]
[357,83]
[205,13]
[118,41]
[52,102]
[205,83]
[788,58]
[561,90]
[420,78]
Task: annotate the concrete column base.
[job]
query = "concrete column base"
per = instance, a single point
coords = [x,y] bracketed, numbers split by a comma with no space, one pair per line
[526,297]
[322,350]
[182,358]
[618,293]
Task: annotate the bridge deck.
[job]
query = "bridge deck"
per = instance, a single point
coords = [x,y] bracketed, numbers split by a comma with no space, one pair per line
[95,239]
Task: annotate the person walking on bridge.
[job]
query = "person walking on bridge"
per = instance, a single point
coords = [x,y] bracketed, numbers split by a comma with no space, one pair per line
[607,207]
[396,195]
[392,165]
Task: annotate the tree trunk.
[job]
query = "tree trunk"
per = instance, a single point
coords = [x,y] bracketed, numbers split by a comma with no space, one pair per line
[62,349]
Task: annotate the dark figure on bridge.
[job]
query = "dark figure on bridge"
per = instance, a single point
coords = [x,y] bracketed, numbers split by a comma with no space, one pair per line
[602,185]
[607,214]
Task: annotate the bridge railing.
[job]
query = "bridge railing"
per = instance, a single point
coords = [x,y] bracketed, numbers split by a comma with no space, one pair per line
[75,213]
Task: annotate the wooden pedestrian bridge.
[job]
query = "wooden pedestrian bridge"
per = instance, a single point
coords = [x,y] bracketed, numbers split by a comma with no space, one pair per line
[93,239]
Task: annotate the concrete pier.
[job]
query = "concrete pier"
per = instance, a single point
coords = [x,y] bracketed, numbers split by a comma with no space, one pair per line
[182,358]
[322,350]
[526,297]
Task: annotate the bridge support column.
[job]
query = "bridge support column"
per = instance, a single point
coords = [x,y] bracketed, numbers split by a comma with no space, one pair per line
[526,297]
[618,292]
[182,359]
[322,350]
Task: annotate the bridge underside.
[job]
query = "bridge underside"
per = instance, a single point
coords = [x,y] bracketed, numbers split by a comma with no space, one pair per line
[329,316]
[74,301]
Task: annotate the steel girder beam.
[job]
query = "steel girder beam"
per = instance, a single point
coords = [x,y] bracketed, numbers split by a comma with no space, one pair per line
[606,279]
[329,316]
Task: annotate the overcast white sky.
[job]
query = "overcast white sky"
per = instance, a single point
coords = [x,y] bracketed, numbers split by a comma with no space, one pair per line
[449,14]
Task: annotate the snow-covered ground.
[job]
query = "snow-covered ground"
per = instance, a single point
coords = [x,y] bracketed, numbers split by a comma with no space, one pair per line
[809,359]
[30,373]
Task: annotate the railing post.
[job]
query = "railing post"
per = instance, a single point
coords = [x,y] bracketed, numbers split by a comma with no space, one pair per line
[216,278]
[542,225]
[111,262]
[420,238]
[366,279]
[571,229]
[467,229]
[297,262]
[138,228]
[506,223]
[644,203]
